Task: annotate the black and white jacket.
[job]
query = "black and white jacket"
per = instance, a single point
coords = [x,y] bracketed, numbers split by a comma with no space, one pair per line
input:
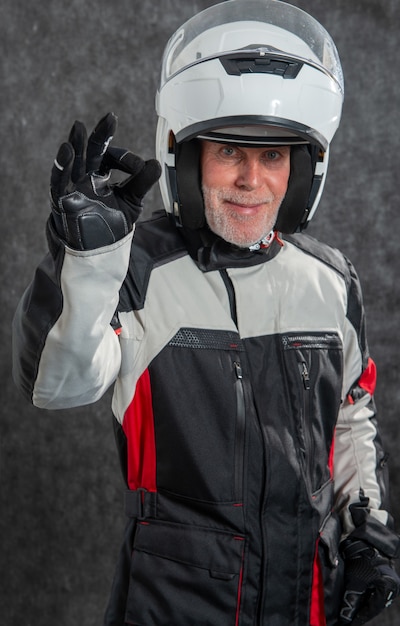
[243,410]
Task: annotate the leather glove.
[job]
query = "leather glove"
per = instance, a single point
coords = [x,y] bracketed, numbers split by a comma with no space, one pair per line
[88,210]
[371,583]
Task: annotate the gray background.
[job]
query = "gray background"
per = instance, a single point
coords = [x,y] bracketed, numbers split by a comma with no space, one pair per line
[61,514]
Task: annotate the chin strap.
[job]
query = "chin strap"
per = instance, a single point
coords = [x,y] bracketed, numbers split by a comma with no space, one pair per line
[266,241]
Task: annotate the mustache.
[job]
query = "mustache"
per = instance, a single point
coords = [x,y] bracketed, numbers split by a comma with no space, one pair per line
[237,197]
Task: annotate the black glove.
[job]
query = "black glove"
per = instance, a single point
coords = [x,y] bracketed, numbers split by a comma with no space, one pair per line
[371,583]
[88,211]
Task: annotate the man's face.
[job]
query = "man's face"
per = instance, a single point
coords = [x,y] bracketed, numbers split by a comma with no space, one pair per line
[243,189]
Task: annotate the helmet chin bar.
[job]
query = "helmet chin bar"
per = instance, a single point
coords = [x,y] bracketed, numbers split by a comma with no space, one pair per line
[185,185]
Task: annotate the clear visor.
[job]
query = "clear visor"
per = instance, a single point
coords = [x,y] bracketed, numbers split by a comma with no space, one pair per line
[264,24]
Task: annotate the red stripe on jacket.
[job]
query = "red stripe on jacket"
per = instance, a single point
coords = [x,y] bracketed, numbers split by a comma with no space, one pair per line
[317,612]
[367,380]
[138,427]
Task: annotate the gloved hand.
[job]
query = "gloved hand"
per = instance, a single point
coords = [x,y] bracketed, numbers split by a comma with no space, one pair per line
[371,583]
[89,211]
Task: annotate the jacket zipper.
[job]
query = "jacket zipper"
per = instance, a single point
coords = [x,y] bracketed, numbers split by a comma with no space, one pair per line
[231,294]
[240,402]
[240,432]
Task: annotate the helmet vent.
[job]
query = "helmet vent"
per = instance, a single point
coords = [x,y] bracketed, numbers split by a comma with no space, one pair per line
[260,64]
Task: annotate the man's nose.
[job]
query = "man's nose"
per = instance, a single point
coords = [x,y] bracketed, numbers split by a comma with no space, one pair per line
[249,174]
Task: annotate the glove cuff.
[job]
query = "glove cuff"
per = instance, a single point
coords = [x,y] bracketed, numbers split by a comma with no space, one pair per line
[54,241]
[374,534]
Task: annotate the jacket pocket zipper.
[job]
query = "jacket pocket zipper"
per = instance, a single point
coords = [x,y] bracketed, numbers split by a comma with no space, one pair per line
[306,438]
[240,432]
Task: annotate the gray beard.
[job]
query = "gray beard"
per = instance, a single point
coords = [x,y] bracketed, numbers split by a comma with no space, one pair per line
[219,221]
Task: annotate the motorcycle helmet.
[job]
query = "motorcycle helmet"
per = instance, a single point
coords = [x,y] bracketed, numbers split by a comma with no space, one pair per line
[254,73]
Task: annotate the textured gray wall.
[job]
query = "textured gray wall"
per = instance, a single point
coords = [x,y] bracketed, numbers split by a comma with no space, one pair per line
[61,514]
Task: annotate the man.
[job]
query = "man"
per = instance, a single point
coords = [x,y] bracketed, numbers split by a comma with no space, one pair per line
[243,386]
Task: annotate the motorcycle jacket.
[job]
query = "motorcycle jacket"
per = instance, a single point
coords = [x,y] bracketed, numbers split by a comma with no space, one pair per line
[243,410]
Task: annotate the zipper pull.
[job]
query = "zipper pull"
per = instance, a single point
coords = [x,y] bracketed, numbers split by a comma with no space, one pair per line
[305,375]
[238,370]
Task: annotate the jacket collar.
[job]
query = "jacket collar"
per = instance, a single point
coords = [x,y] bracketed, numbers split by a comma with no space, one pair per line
[210,252]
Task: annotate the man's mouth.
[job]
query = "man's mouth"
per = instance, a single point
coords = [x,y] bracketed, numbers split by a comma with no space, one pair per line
[245,208]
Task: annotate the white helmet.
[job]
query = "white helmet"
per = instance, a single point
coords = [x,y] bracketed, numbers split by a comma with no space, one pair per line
[254,72]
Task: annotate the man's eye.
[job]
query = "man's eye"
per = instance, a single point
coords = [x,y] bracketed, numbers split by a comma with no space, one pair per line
[228,151]
[272,155]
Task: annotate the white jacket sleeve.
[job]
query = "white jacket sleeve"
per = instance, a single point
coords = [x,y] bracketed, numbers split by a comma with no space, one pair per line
[360,476]
[65,350]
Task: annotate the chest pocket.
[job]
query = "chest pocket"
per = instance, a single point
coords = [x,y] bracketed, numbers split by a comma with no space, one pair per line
[198,405]
[313,365]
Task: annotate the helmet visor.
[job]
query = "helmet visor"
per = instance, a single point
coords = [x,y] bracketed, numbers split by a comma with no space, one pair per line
[313,45]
